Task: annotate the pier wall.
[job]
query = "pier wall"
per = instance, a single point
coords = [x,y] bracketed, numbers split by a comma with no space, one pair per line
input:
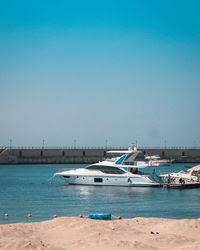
[87,155]
[50,156]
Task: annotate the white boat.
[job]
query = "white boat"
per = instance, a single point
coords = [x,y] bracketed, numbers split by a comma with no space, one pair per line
[116,171]
[190,175]
[155,161]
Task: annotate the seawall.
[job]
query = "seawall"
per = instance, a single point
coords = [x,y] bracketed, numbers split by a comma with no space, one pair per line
[87,155]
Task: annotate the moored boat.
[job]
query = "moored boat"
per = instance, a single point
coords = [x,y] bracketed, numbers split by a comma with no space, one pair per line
[123,170]
[155,161]
[188,176]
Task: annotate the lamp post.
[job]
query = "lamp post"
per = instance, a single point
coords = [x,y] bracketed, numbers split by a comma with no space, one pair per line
[74,143]
[10,143]
[106,143]
[165,143]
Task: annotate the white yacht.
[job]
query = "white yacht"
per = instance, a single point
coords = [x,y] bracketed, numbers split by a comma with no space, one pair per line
[190,175]
[116,171]
[155,161]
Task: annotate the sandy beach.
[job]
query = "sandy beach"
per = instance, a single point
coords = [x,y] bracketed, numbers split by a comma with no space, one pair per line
[80,233]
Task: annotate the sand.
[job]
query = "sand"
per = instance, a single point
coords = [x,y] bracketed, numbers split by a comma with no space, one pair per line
[81,233]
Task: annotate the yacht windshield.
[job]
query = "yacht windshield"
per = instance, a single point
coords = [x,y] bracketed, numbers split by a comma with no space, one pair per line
[106,169]
[195,173]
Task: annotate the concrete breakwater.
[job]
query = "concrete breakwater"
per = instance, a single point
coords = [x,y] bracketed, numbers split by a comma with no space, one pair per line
[87,155]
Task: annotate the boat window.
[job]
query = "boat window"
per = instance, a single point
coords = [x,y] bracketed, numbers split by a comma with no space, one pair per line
[139,157]
[66,176]
[194,173]
[106,169]
[133,170]
[98,179]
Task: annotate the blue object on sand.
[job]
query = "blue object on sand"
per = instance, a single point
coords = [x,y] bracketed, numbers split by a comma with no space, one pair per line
[100,216]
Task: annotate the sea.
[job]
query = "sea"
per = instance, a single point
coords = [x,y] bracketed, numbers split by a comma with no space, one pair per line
[29,189]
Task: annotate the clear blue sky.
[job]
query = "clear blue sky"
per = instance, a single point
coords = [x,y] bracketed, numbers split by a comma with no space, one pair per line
[93,71]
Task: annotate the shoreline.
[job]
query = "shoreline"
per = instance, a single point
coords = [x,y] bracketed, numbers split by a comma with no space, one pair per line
[82,233]
[29,220]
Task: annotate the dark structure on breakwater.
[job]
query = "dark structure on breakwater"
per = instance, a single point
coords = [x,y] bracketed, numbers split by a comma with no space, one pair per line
[87,155]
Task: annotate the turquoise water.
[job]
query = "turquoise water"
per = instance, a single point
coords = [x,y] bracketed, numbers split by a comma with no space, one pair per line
[26,189]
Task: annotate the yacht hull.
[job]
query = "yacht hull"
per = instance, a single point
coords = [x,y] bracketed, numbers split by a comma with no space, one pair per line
[109,181]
